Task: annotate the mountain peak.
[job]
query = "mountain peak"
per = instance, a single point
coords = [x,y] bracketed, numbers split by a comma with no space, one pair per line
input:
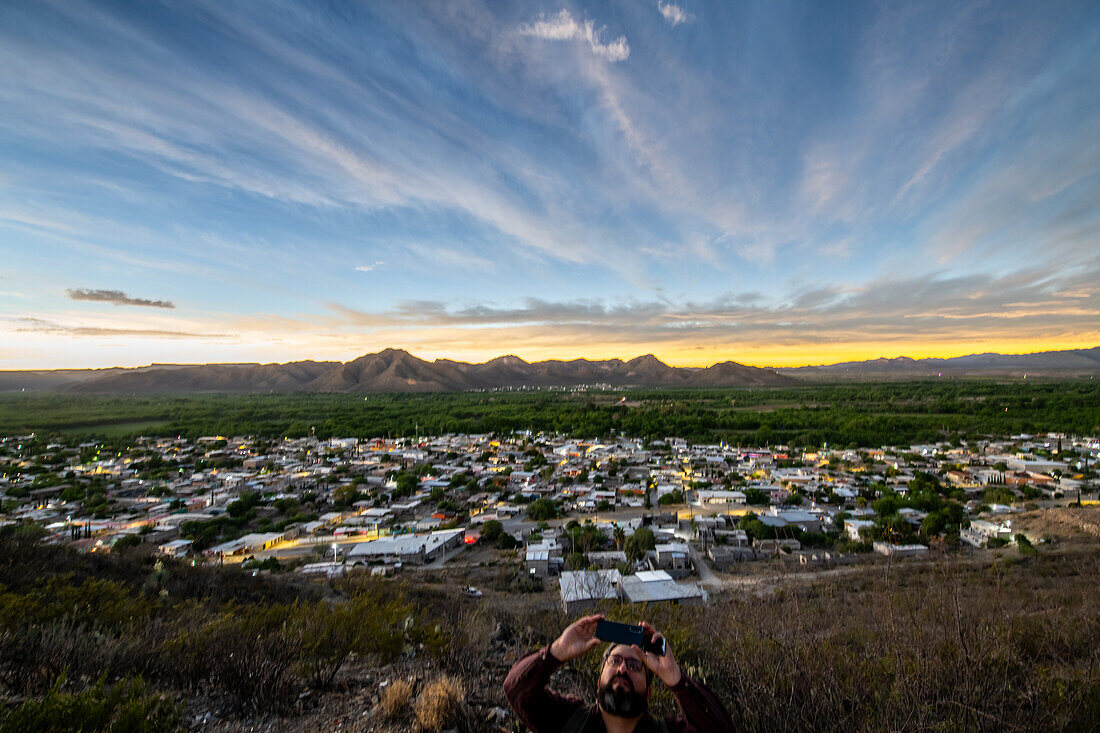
[507,360]
[646,360]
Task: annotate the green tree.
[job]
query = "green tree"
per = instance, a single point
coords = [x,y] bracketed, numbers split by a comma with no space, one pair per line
[576,561]
[541,509]
[638,543]
[126,542]
[246,502]
[673,497]
[346,495]
[757,497]
[492,530]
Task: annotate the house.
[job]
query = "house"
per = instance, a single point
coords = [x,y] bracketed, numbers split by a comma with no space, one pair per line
[607,558]
[175,548]
[961,478]
[427,524]
[981,531]
[773,547]
[328,569]
[822,557]
[582,589]
[709,497]
[806,521]
[913,516]
[845,493]
[248,544]
[900,551]
[725,557]
[735,537]
[674,558]
[543,558]
[657,586]
[854,526]
[409,548]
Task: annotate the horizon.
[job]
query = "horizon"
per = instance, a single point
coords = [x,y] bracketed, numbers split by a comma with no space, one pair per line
[775,186]
[433,359]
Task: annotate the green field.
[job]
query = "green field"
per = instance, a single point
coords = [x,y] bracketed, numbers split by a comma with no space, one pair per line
[117,429]
[839,414]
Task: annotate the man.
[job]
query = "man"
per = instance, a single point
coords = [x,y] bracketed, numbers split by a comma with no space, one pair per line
[622,693]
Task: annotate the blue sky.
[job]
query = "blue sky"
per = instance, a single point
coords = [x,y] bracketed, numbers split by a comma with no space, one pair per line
[768,182]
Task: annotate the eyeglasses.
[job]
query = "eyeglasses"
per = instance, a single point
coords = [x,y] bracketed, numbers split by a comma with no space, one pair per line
[632,665]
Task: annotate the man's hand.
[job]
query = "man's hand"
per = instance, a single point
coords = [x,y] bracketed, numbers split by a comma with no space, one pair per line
[578,638]
[665,666]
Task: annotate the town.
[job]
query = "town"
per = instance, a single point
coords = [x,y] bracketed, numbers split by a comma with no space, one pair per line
[617,519]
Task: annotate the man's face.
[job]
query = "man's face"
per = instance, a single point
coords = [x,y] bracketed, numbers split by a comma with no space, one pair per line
[623,689]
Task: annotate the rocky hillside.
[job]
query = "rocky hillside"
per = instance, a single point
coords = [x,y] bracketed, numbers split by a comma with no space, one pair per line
[1071,363]
[392,370]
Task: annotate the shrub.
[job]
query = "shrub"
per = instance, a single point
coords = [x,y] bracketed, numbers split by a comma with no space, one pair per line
[270,563]
[576,561]
[947,648]
[673,497]
[126,542]
[326,634]
[440,703]
[244,651]
[491,530]
[757,497]
[638,543]
[1023,544]
[541,509]
[395,700]
[124,707]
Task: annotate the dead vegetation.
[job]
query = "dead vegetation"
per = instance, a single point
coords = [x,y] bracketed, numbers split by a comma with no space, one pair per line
[440,703]
[1078,525]
[1004,643]
[394,704]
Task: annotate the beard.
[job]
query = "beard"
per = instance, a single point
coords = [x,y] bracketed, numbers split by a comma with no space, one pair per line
[619,701]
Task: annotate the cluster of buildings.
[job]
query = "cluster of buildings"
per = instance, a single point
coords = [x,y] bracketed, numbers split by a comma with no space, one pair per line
[413,501]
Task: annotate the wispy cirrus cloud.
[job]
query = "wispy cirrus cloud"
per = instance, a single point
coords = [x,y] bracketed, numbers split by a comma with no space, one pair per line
[489,155]
[931,306]
[116,297]
[564,27]
[674,14]
[41,325]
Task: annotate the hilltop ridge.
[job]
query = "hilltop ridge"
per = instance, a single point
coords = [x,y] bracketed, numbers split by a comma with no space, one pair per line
[396,370]
[390,370]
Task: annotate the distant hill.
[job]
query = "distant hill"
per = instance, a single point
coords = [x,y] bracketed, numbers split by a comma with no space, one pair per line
[394,370]
[1074,362]
[391,370]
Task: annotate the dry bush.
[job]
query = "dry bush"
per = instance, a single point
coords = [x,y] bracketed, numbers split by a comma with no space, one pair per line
[246,653]
[440,703]
[395,700]
[954,646]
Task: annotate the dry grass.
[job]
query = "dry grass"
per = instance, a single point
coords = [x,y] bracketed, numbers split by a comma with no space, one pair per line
[1077,525]
[440,703]
[395,699]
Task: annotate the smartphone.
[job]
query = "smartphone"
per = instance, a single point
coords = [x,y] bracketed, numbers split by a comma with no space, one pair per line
[628,634]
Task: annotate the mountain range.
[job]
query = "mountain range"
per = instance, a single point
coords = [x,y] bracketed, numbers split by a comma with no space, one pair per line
[394,370]
[1073,362]
[391,370]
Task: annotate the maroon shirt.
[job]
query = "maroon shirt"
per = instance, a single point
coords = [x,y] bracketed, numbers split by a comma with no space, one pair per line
[544,711]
